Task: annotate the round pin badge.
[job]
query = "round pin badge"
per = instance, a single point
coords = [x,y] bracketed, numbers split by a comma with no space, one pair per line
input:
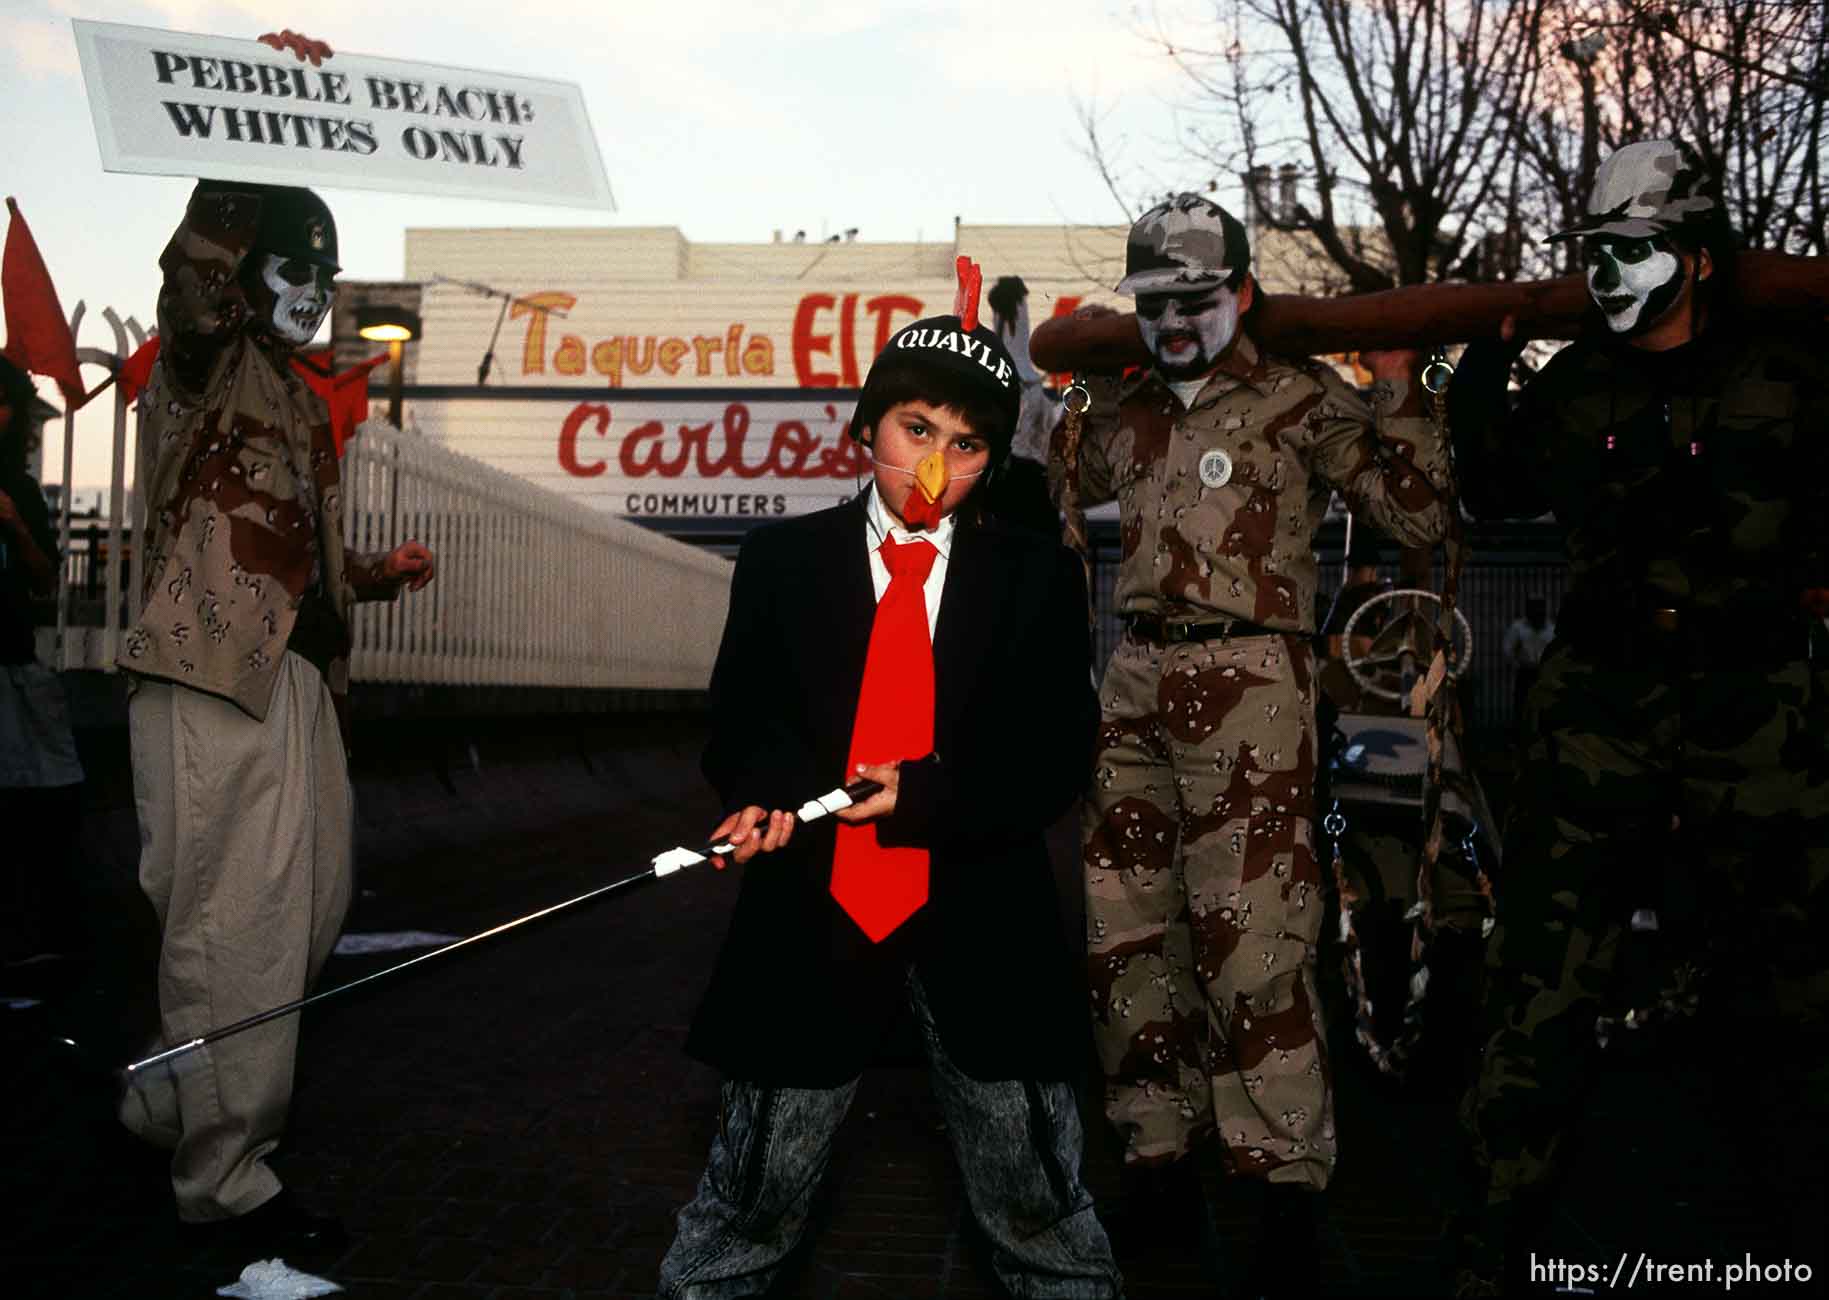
[1216,468]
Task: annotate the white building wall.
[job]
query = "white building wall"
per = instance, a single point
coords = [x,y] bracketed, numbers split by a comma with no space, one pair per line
[732,366]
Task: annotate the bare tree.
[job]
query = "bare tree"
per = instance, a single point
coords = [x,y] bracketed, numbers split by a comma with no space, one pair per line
[1379,129]
[1412,140]
[1744,82]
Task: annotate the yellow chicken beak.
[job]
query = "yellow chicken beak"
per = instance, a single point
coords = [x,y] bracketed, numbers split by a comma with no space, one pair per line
[930,475]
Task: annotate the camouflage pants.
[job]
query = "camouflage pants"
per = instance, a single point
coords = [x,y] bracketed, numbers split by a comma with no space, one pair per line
[1702,798]
[1203,904]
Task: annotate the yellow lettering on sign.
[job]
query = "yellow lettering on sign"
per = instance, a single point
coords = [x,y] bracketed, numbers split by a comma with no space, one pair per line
[606,360]
[630,354]
[759,355]
[535,306]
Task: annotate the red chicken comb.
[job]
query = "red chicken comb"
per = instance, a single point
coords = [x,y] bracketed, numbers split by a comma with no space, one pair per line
[965,302]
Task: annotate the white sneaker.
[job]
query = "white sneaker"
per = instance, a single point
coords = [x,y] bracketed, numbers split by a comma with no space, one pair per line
[273,1279]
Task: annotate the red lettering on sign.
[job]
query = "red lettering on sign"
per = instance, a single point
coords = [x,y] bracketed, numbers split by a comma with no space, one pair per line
[794,451]
[568,439]
[847,339]
[807,343]
[652,462]
[789,449]
[884,307]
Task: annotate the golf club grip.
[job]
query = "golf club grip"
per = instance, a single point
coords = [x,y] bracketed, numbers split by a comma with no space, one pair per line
[856,792]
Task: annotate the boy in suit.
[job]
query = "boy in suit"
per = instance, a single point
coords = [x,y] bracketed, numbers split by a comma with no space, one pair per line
[909,638]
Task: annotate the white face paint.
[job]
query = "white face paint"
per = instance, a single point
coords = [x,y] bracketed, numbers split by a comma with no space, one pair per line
[1187,333]
[298,308]
[1632,281]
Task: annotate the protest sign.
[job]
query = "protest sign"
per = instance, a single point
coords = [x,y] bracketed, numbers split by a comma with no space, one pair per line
[176,104]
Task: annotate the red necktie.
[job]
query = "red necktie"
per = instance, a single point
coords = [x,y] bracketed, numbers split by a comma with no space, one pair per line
[881,886]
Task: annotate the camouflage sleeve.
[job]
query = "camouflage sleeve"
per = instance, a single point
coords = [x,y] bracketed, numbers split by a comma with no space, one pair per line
[1097,430]
[365,573]
[201,305]
[1388,459]
[1493,443]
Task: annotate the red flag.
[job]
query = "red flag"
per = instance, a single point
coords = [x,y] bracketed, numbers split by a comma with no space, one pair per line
[38,335]
[346,394]
[137,369]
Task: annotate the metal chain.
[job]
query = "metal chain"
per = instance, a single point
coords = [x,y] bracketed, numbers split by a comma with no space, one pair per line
[1076,401]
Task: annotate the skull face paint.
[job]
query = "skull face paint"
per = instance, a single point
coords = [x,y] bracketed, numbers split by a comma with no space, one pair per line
[301,296]
[1187,333]
[1633,281]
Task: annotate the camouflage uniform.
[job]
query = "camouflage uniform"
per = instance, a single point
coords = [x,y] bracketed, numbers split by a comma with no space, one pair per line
[239,657]
[239,472]
[1678,740]
[1203,892]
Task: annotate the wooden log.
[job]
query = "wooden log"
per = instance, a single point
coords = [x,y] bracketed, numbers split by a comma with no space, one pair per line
[1418,316]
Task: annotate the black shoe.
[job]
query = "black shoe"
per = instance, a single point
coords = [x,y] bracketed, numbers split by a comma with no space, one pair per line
[276,1229]
[1159,1207]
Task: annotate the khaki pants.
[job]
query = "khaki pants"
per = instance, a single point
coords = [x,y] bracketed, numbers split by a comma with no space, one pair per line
[245,853]
[1203,906]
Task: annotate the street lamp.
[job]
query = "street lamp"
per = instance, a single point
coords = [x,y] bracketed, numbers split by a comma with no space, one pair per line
[393,326]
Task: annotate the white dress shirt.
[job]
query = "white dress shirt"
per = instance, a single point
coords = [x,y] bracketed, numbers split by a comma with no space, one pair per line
[878,524]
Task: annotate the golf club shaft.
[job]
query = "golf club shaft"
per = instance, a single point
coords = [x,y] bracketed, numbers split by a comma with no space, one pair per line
[813,809]
[299,1004]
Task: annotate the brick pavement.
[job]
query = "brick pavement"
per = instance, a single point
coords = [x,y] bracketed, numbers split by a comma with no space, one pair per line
[522,1122]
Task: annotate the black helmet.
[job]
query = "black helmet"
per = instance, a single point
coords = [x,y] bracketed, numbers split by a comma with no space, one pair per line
[962,366]
[297,223]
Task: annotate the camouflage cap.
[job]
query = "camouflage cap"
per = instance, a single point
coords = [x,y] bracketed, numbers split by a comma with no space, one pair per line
[1648,188]
[1182,245]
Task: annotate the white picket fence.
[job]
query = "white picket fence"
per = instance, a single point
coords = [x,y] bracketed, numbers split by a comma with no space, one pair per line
[532,588]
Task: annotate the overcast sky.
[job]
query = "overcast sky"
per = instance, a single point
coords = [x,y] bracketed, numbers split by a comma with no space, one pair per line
[726,118]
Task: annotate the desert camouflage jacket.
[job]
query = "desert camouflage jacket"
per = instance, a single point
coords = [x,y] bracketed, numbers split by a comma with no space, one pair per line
[238,475]
[1219,503]
[1697,477]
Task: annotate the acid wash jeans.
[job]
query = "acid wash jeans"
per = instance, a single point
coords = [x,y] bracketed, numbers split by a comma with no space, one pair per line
[1018,1144]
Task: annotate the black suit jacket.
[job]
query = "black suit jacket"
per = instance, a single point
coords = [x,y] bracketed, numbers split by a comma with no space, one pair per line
[800,996]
